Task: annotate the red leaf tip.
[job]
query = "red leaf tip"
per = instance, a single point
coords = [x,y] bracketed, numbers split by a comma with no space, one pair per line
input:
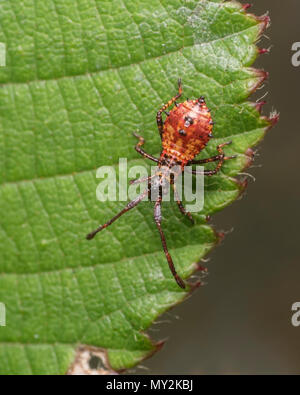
[261,77]
[159,345]
[259,105]
[262,51]
[195,285]
[201,268]
[265,21]
[247,6]
[220,237]
[274,118]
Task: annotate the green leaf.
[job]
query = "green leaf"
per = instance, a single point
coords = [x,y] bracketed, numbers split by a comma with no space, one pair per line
[81,76]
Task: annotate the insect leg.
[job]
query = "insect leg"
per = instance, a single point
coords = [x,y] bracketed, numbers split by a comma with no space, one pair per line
[180,205]
[212,159]
[141,151]
[140,180]
[159,120]
[220,158]
[128,207]
[157,219]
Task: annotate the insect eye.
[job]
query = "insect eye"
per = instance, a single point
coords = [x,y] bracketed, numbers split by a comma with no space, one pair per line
[188,121]
[182,132]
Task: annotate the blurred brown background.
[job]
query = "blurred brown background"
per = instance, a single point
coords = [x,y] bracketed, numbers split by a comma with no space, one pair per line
[240,322]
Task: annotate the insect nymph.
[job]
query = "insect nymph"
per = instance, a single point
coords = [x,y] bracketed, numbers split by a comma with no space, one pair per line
[185,132]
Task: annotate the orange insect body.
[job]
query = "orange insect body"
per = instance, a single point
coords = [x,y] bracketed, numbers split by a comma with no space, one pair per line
[187,130]
[184,133]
